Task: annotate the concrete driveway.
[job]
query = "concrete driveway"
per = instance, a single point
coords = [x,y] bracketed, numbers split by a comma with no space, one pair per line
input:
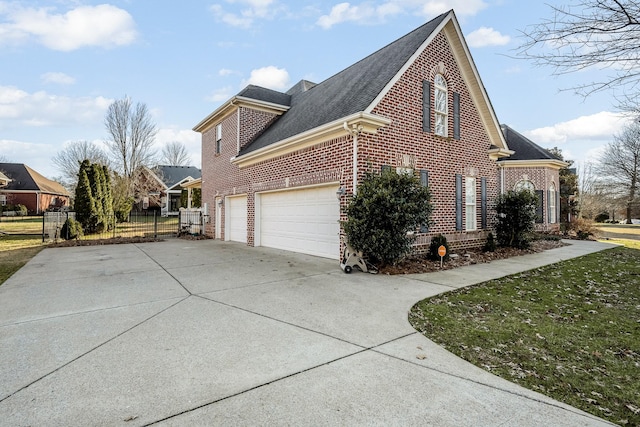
[210,333]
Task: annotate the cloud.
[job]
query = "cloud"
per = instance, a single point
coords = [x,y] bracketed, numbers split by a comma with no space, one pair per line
[371,12]
[221,94]
[270,77]
[20,108]
[484,36]
[247,13]
[225,72]
[34,155]
[57,78]
[190,139]
[103,26]
[365,13]
[595,127]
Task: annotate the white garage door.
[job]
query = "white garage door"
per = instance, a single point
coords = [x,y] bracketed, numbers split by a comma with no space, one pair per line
[236,219]
[304,220]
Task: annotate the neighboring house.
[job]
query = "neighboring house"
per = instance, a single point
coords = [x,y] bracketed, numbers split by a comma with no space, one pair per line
[4,180]
[534,168]
[278,167]
[161,187]
[27,187]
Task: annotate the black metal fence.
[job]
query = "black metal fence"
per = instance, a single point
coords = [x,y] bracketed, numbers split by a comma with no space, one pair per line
[138,224]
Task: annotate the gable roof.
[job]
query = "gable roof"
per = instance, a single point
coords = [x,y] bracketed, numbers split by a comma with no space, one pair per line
[316,113]
[172,175]
[23,178]
[350,91]
[526,150]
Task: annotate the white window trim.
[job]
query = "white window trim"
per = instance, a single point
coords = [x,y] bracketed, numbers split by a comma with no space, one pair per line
[218,138]
[441,114]
[552,204]
[470,204]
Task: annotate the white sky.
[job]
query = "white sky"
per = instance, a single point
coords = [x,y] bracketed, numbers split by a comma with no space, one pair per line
[64,61]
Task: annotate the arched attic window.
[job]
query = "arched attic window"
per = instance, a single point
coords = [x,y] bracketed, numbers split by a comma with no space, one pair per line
[441,105]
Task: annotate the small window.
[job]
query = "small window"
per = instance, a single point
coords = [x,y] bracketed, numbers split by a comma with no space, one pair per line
[218,138]
[470,203]
[441,105]
[552,204]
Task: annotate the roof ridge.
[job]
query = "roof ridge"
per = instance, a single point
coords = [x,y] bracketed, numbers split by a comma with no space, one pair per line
[405,36]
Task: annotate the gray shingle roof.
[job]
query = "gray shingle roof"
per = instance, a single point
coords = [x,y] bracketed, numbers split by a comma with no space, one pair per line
[171,175]
[348,92]
[26,179]
[524,148]
[263,94]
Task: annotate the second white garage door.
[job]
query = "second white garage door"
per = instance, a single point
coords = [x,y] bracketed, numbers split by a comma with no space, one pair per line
[304,220]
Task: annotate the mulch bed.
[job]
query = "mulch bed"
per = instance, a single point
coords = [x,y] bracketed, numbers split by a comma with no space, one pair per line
[421,264]
[119,240]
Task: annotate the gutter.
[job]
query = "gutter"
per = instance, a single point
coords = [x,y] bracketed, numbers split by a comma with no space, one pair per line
[354,130]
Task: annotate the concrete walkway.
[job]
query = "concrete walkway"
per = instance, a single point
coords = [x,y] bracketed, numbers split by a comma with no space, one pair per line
[209,333]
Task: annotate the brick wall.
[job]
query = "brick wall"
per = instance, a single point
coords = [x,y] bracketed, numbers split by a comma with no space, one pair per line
[542,178]
[442,157]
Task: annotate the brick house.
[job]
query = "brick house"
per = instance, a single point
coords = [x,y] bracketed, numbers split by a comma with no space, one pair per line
[277,167]
[27,187]
[160,187]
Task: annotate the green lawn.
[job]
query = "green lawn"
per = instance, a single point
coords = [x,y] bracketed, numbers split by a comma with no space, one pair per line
[569,330]
[21,225]
[16,251]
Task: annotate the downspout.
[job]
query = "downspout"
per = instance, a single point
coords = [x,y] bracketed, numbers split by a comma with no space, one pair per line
[354,131]
[501,178]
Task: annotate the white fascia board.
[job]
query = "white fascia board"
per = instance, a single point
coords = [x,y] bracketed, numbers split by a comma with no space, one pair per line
[406,66]
[231,105]
[475,85]
[366,122]
[537,163]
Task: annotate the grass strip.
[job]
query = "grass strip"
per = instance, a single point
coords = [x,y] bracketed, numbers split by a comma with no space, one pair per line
[570,330]
[16,251]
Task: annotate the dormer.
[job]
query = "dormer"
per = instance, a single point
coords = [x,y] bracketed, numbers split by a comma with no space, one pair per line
[256,108]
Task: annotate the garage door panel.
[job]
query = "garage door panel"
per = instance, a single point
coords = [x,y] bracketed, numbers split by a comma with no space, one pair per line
[236,218]
[304,220]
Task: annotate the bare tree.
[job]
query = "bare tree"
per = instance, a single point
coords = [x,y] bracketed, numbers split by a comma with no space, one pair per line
[619,166]
[587,34]
[68,160]
[175,154]
[593,197]
[132,133]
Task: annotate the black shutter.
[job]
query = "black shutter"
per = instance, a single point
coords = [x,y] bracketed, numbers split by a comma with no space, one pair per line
[459,202]
[424,181]
[456,115]
[426,106]
[483,198]
[540,207]
[424,177]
